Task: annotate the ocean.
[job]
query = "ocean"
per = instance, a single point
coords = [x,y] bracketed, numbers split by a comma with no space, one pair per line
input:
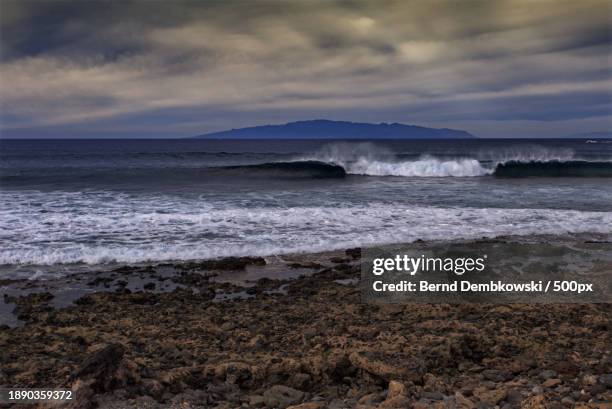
[70,204]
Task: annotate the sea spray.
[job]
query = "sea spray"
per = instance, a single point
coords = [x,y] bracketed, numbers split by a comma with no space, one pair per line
[373,160]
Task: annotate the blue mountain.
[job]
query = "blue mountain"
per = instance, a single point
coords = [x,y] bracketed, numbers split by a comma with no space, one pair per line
[326,129]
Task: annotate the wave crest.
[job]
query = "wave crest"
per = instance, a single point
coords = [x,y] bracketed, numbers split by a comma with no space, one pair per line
[424,167]
[373,160]
[522,161]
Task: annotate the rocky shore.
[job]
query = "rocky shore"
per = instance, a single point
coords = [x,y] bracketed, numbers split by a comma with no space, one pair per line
[291,332]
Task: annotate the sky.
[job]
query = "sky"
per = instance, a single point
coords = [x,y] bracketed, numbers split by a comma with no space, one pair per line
[495,68]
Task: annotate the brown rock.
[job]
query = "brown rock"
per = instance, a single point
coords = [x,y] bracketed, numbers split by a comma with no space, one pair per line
[84,395]
[387,366]
[429,404]
[567,368]
[493,396]
[589,380]
[300,380]
[396,402]
[549,383]
[535,402]
[256,401]
[281,396]
[152,388]
[371,399]
[462,402]
[175,377]
[396,389]
[308,405]
[235,372]
[258,341]
[432,383]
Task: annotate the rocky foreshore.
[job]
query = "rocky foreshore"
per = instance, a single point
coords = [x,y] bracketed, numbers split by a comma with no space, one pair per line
[212,334]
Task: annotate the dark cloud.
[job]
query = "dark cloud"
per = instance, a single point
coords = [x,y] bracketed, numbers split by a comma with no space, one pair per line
[141,68]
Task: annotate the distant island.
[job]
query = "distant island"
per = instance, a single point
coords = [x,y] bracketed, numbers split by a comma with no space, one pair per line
[327,129]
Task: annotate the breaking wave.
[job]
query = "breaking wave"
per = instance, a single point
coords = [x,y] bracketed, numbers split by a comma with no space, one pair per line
[428,167]
[371,160]
[424,167]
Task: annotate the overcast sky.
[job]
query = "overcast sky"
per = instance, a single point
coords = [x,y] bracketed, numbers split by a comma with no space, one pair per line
[170,69]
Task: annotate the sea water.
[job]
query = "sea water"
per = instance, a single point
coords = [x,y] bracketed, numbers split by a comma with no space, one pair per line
[91,202]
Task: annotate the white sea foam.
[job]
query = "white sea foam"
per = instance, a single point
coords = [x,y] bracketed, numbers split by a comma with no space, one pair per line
[369,159]
[93,228]
[373,160]
[424,167]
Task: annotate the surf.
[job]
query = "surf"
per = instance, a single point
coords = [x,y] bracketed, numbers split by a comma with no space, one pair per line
[425,167]
[367,159]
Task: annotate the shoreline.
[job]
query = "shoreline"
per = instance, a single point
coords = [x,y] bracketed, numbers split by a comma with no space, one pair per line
[11,271]
[241,332]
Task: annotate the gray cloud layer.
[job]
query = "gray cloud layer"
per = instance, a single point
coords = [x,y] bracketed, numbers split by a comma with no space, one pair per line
[496,68]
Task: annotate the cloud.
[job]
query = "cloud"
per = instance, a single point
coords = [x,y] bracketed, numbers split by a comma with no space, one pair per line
[70,63]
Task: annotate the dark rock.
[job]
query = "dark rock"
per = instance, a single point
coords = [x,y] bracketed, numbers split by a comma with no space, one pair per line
[280,396]
[309,264]
[597,389]
[547,374]
[606,380]
[125,269]
[514,397]
[229,263]
[100,365]
[300,381]
[496,375]
[354,253]
[433,395]
[85,300]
